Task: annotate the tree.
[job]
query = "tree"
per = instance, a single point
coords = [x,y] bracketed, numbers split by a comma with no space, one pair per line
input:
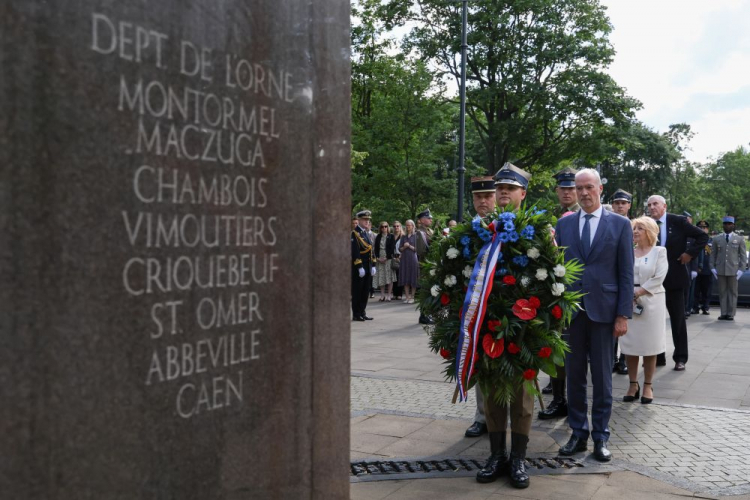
[535,71]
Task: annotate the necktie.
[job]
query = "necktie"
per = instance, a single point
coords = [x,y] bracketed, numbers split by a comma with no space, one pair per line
[586,235]
[658,238]
[727,238]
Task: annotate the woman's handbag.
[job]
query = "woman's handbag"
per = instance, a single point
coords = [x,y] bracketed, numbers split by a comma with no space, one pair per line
[395,264]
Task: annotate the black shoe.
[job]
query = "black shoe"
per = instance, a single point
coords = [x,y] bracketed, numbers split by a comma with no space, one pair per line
[556,409]
[548,388]
[729,318]
[630,399]
[695,311]
[573,446]
[661,359]
[358,318]
[705,312]
[519,478]
[622,368]
[644,399]
[475,430]
[679,366]
[498,462]
[601,452]
[721,318]
[366,317]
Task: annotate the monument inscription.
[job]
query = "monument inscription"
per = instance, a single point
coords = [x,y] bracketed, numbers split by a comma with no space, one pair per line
[165,190]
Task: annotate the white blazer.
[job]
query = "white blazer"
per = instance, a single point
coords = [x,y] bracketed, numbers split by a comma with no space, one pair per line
[652,270]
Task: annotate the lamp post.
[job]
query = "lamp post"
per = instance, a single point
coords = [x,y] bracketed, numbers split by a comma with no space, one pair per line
[462,116]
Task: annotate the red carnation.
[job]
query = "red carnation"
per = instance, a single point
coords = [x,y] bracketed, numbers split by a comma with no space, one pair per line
[544,352]
[529,374]
[513,348]
[494,324]
[492,347]
[509,280]
[445,299]
[535,302]
[524,310]
[445,353]
[557,312]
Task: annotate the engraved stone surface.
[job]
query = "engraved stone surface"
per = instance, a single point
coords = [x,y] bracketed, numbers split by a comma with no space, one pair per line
[173,295]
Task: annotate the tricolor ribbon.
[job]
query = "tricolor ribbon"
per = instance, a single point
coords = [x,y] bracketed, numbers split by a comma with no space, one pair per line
[474,309]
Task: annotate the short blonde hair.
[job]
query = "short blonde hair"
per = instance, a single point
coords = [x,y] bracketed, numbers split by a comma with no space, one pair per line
[649,225]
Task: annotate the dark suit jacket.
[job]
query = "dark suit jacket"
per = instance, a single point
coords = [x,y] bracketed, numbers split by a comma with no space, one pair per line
[678,232]
[607,278]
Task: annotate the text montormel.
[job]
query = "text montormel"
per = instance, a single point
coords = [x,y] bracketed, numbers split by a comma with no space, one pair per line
[164,168]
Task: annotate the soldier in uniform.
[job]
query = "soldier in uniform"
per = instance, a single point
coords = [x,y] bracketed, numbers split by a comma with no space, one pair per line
[568,202]
[704,279]
[621,202]
[728,262]
[363,266]
[511,183]
[483,196]
[424,237]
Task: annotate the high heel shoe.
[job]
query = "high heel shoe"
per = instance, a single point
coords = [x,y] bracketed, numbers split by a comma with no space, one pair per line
[630,399]
[644,399]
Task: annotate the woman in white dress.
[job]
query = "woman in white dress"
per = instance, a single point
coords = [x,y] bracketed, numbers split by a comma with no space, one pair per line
[647,331]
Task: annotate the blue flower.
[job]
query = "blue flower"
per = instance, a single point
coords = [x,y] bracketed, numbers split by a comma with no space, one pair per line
[509,226]
[465,240]
[476,223]
[513,236]
[507,216]
[484,234]
[521,260]
[538,212]
[528,232]
[501,271]
[504,238]
[467,254]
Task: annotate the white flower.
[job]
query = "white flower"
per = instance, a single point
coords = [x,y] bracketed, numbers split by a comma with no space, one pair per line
[435,290]
[541,274]
[559,270]
[525,281]
[452,253]
[533,253]
[467,272]
[558,289]
[450,280]
[432,272]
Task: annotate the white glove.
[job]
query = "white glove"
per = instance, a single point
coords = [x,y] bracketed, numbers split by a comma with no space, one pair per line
[693,274]
[715,273]
[361,272]
[739,275]
[373,271]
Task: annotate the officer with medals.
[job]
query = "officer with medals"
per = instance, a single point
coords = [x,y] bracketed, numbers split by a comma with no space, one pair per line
[728,262]
[363,266]
[483,196]
[511,183]
[621,202]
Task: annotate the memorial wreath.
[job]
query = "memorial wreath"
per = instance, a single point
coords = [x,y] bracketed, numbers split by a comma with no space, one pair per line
[495,288]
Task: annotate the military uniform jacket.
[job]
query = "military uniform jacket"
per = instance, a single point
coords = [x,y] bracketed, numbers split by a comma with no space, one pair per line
[424,236]
[362,250]
[559,209]
[728,257]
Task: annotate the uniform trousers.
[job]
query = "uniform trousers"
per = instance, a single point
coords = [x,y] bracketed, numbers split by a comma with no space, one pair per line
[702,291]
[360,292]
[479,413]
[521,411]
[728,294]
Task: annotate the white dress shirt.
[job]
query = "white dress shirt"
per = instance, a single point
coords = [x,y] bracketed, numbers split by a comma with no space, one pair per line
[593,222]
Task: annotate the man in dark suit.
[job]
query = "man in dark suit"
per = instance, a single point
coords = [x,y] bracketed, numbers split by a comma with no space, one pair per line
[363,266]
[674,231]
[603,242]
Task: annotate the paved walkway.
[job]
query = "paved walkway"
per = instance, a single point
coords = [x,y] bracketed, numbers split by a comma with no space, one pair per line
[694,440]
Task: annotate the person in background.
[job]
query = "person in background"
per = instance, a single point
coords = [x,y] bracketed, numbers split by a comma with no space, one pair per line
[483,197]
[409,270]
[354,223]
[424,237]
[621,202]
[371,235]
[568,202]
[397,234]
[647,330]
[728,262]
[692,270]
[674,231]
[384,247]
[363,266]
[704,279]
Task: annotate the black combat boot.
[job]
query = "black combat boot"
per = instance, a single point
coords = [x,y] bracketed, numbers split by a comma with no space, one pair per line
[558,408]
[497,464]
[518,476]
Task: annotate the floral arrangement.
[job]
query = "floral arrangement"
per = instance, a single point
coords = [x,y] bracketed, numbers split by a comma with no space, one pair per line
[518,334]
